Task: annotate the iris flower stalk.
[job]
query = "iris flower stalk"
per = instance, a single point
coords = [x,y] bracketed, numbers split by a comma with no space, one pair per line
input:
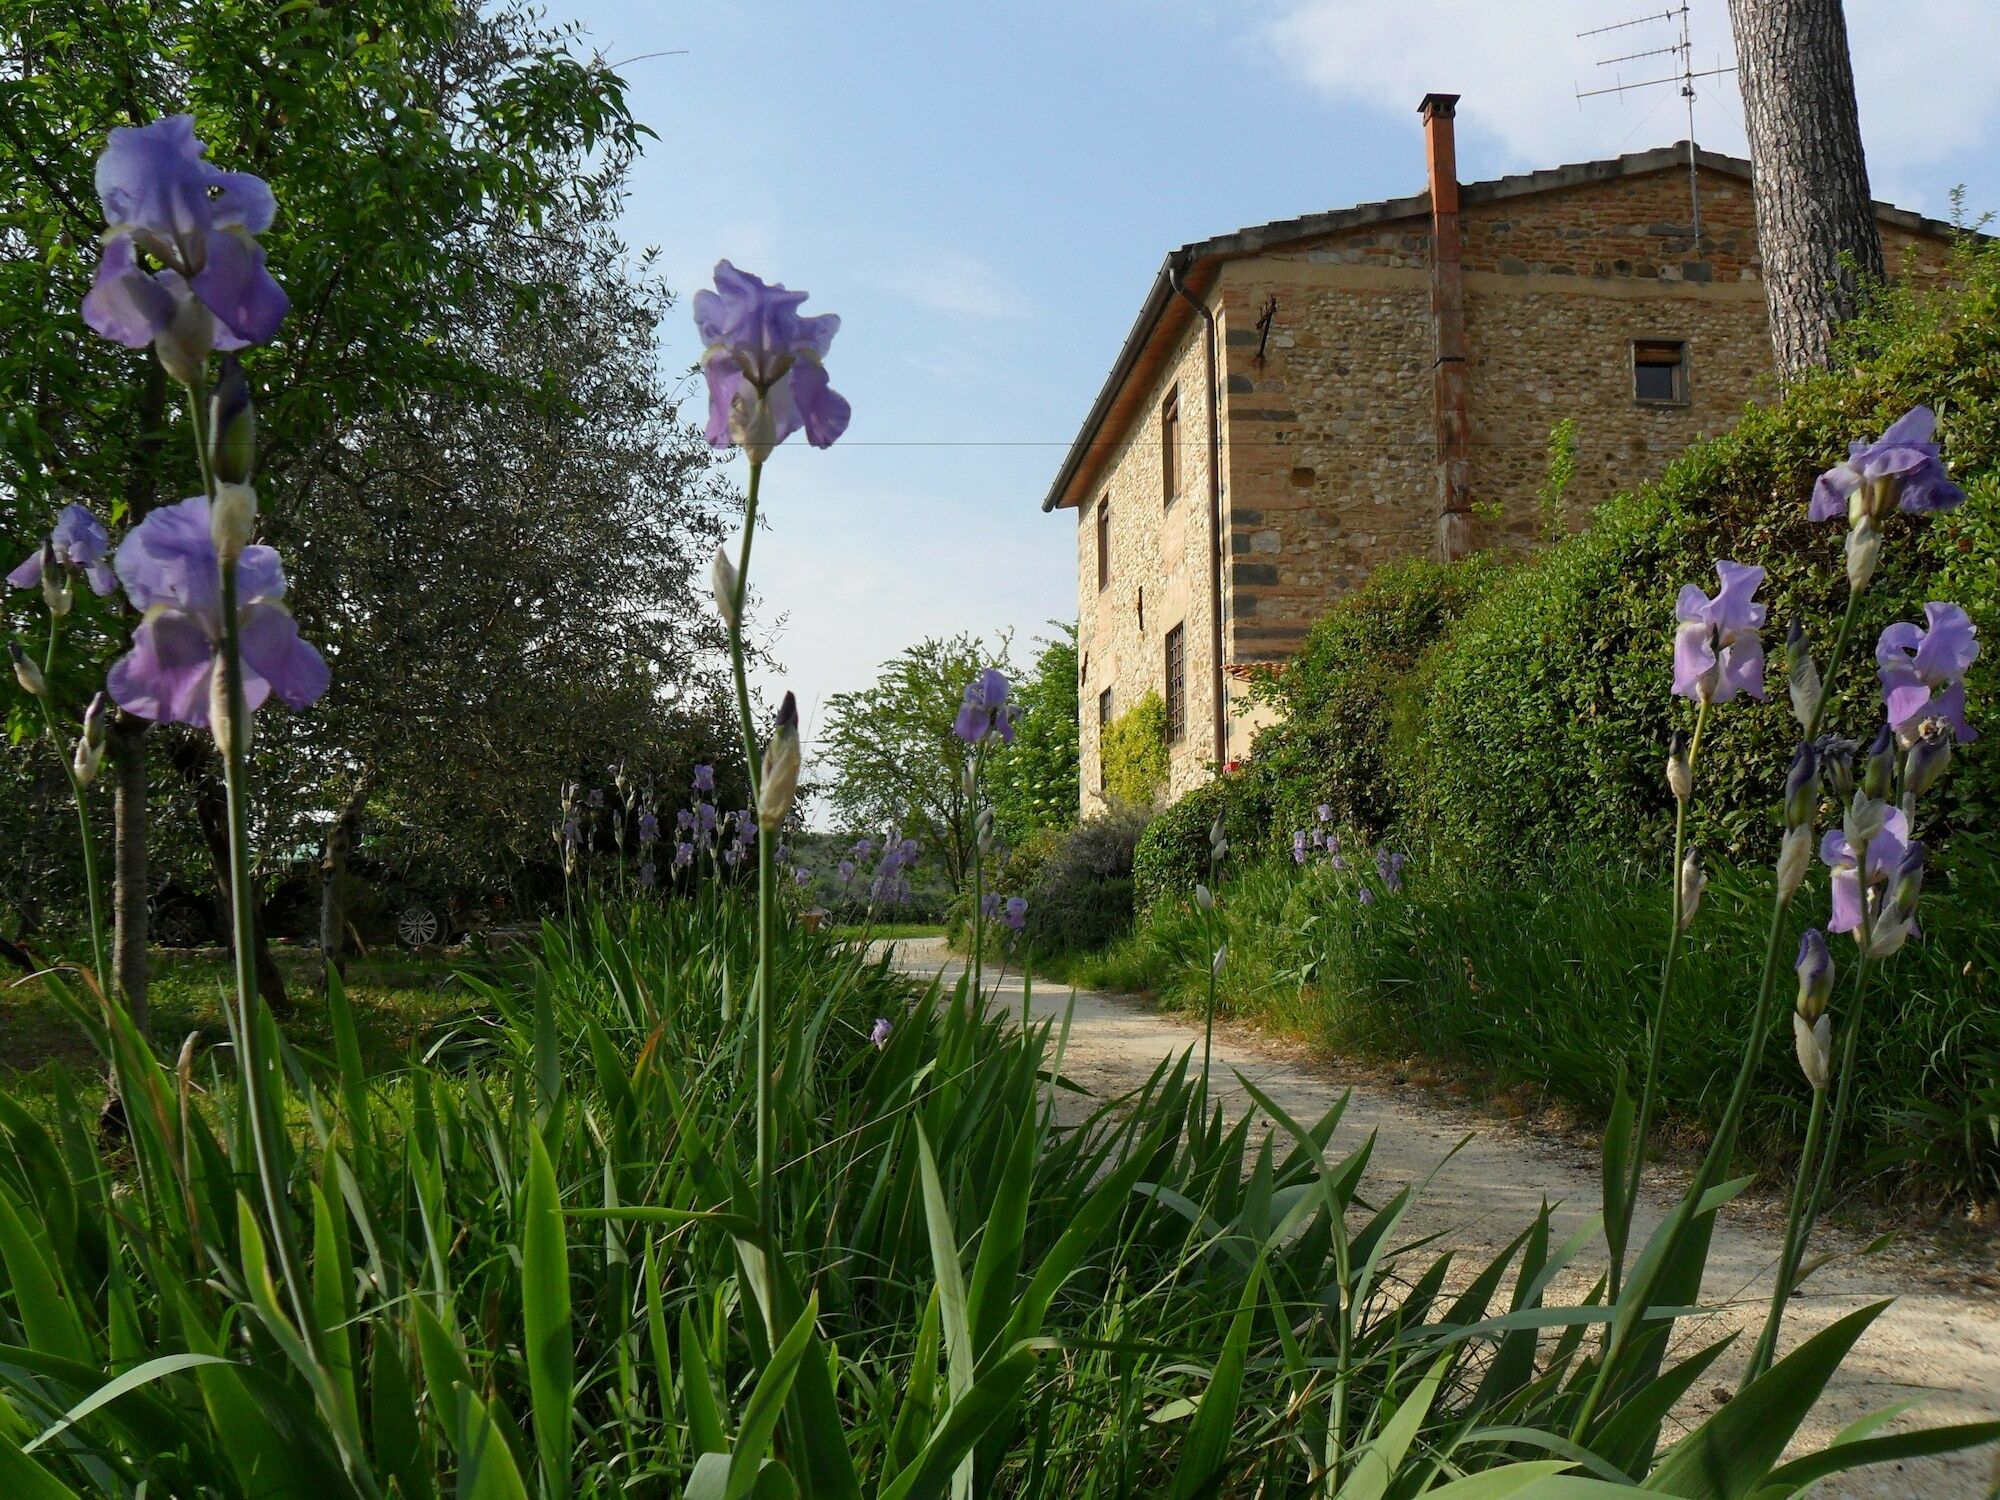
[79,795]
[764,365]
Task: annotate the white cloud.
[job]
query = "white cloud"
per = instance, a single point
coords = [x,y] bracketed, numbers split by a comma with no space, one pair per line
[962,286]
[1927,76]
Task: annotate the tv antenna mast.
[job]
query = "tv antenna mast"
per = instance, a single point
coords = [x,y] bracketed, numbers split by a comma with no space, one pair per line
[1682,51]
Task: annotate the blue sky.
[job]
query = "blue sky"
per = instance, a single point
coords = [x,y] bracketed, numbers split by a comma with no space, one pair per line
[984,192]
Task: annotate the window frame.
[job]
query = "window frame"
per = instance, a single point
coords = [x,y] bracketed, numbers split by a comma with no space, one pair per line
[1104,542]
[1677,366]
[1175,653]
[1104,708]
[1170,448]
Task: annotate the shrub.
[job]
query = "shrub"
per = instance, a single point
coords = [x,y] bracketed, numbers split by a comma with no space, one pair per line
[1135,752]
[1079,888]
[1541,717]
[1337,695]
[1033,781]
[1173,853]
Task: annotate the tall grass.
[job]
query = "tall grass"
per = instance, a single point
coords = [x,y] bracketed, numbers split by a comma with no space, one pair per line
[1527,982]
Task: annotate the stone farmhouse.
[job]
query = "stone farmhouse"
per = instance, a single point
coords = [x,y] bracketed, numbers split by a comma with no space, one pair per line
[1300,401]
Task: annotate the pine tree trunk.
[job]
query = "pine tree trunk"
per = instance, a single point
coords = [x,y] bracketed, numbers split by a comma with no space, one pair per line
[1816,228]
[129,971]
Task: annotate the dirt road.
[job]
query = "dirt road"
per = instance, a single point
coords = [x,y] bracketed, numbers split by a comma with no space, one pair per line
[1940,1341]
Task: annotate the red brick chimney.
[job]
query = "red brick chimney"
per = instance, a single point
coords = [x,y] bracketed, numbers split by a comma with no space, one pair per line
[1450,428]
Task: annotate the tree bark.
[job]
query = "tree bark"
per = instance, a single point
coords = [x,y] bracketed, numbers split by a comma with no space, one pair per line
[1816,228]
[129,971]
[130,823]
[198,764]
[339,843]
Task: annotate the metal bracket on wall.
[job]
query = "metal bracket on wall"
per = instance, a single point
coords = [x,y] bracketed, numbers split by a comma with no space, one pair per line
[1264,320]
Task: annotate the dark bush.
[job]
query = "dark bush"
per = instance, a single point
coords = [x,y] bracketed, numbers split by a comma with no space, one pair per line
[1173,853]
[1080,887]
[1337,695]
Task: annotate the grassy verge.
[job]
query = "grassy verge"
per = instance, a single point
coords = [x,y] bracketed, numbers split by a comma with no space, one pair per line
[1537,984]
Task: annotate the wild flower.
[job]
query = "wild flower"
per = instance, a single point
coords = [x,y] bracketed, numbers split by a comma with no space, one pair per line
[1886,848]
[171,570]
[986,714]
[199,224]
[1923,671]
[683,855]
[844,872]
[1389,865]
[1901,469]
[1366,895]
[77,542]
[649,827]
[878,1034]
[765,365]
[1718,652]
[1298,846]
[704,779]
[1015,912]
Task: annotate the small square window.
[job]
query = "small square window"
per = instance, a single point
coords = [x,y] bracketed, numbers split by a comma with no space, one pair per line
[1659,372]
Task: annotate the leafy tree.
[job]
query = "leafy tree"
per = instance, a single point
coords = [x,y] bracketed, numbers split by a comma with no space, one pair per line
[893,760]
[1033,783]
[466,379]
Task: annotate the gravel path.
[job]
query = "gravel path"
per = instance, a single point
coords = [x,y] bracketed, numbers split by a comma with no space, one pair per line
[1939,1341]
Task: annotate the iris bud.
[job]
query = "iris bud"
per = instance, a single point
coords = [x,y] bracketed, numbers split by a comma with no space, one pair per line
[1692,883]
[1813,1041]
[1878,772]
[1891,930]
[1802,674]
[1836,764]
[56,591]
[1815,971]
[1801,787]
[26,672]
[982,825]
[1215,964]
[1906,882]
[722,578]
[1929,754]
[1680,771]
[1794,858]
[780,782]
[232,520]
[1203,899]
[1218,842]
[89,756]
[1863,820]
[232,426]
[1864,550]
[184,344]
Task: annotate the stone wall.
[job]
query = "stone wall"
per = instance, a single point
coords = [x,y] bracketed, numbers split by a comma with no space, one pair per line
[1159,577]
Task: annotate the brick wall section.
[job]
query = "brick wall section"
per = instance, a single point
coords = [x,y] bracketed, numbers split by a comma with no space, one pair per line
[1327,456]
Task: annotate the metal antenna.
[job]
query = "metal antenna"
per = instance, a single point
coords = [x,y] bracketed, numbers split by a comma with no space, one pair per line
[1683,50]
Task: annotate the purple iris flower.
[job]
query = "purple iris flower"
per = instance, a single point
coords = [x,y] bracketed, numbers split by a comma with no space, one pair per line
[1923,671]
[1015,912]
[596,797]
[704,818]
[765,365]
[649,827]
[1885,856]
[1389,865]
[986,712]
[704,779]
[1717,651]
[648,873]
[1905,455]
[802,876]
[78,540]
[989,905]
[572,832]
[200,224]
[863,848]
[1366,895]
[733,856]
[1324,812]
[878,1034]
[845,870]
[1298,846]
[170,570]
[683,855]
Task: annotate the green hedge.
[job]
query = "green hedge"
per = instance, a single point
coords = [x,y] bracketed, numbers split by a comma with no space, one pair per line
[1173,852]
[1337,696]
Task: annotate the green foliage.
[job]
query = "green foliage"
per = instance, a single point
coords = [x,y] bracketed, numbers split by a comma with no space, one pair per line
[1135,752]
[1336,697]
[1078,884]
[1540,719]
[893,759]
[1554,493]
[1033,782]
[1173,852]
[1529,983]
